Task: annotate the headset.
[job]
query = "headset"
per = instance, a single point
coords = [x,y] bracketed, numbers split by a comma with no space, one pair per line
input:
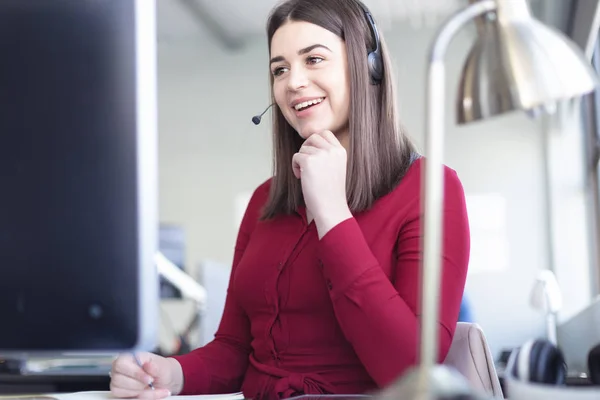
[374,59]
[540,361]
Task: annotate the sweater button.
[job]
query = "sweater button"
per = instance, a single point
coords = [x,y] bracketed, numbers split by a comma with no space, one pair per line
[329,284]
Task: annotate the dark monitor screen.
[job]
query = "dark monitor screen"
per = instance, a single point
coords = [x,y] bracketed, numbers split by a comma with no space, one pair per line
[78,223]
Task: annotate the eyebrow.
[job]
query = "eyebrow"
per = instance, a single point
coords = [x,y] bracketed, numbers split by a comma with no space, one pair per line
[300,52]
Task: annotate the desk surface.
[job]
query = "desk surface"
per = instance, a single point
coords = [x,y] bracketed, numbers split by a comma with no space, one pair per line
[14,384]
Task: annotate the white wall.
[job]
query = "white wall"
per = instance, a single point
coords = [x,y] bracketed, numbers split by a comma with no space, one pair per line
[211,152]
[209,149]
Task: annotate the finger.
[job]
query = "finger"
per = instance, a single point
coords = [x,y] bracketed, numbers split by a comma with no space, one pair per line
[298,161]
[122,393]
[151,368]
[330,138]
[120,381]
[150,394]
[128,367]
[308,149]
[317,141]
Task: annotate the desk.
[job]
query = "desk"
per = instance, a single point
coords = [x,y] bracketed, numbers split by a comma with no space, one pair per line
[571,381]
[14,384]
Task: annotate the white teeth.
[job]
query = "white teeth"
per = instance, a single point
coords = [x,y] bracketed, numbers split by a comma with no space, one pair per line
[305,104]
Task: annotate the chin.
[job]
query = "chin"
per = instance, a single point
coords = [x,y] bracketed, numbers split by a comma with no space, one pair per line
[305,134]
[308,131]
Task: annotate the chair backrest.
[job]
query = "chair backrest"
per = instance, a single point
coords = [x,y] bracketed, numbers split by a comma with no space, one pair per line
[471,356]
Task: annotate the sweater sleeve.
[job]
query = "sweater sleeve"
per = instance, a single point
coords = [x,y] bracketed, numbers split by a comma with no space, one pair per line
[379,316]
[219,366]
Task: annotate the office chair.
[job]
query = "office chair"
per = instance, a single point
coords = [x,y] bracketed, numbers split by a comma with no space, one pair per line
[470,354]
[594,364]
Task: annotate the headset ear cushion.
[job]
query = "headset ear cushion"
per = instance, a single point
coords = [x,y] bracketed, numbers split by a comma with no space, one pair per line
[547,364]
[375,67]
[594,364]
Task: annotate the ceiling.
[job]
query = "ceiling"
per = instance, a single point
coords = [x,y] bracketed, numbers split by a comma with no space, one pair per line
[232,22]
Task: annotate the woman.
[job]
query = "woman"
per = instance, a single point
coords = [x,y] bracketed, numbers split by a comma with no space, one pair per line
[324,285]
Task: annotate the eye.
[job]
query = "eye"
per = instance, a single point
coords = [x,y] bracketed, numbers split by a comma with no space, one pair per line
[314,60]
[278,71]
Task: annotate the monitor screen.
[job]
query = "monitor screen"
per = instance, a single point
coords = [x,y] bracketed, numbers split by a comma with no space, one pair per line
[78,172]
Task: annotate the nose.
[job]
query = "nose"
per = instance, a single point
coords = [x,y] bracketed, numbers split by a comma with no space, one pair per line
[298,79]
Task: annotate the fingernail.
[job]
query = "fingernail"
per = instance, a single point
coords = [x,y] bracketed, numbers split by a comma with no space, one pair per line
[149,380]
[168,393]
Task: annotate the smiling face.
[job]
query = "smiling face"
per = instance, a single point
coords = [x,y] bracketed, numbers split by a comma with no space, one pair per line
[310,79]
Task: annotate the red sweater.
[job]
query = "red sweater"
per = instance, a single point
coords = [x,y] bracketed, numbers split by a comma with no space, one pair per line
[336,315]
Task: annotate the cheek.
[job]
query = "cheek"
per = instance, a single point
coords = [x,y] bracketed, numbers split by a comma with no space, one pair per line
[281,100]
[339,89]
[340,101]
[278,95]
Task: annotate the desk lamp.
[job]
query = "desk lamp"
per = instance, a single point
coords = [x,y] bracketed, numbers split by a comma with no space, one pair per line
[186,284]
[547,297]
[516,63]
[189,288]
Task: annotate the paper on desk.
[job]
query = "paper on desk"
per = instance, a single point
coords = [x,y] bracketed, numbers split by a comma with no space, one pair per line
[107,396]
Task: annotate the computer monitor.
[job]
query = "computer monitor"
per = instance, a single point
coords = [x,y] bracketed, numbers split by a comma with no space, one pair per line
[78,176]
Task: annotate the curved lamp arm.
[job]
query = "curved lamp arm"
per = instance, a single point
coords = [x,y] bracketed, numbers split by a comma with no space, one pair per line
[185,283]
[433,179]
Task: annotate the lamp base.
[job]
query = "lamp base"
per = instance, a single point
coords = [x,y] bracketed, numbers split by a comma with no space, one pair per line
[440,383]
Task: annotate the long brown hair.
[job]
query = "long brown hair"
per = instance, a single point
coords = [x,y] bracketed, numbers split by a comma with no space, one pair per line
[379,152]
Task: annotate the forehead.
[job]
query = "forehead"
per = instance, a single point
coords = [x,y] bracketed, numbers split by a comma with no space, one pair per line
[296,35]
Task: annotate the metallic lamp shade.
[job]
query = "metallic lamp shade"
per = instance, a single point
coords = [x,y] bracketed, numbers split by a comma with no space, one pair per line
[520,64]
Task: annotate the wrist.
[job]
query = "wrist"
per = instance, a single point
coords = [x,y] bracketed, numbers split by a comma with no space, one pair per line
[176,381]
[328,220]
